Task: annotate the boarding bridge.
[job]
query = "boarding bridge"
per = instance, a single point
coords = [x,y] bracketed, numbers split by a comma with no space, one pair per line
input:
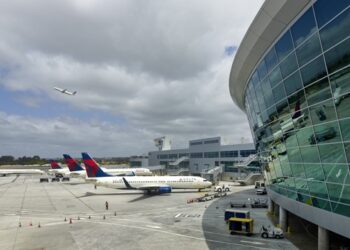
[249,160]
[178,161]
[252,177]
[213,174]
[181,171]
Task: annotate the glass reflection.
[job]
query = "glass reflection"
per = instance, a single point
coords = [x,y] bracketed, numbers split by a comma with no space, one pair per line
[309,50]
[318,92]
[335,172]
[338,57]
[304,27]
[345,129]
[300,116]
[325,10]
[289,65]
[293,83]
[284,46]
[336,30]
[340,85]
[322,112]
[314,172]
[332,153]
[313,71]
[326,133]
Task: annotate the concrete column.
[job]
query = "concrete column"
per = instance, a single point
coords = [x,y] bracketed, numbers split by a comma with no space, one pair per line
[283,219]
[271,206]
[323,238]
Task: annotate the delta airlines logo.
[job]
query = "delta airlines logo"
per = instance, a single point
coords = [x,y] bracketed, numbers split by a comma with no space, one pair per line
[90,168]
[71,164]
[54,165]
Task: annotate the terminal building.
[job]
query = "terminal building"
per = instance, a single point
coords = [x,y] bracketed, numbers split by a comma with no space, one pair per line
[291,76]
[205,155]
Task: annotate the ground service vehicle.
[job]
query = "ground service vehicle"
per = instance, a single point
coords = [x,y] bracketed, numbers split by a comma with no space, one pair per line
[65,178]
[258,203]
[234,213]
[222,189]
[259,184]
[55,179]
[271,232]
[44,179]
[238,204]
[261,191]
[241,226]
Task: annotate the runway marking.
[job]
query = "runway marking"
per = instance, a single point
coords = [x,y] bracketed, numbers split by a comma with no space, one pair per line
[177,234]
[177,215]
[253,242]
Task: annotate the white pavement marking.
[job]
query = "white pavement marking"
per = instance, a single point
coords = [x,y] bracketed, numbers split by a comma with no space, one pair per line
[177,215]
[156,227]
[177,234]
[253,242]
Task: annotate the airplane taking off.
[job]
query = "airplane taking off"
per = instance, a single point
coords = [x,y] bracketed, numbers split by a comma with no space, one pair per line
[65,91]
[157,184]
[5,172]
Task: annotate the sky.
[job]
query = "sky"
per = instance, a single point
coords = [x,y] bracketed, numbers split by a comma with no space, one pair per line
[142,69]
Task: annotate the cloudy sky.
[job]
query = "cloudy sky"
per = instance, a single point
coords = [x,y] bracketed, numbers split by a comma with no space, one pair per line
[141,69]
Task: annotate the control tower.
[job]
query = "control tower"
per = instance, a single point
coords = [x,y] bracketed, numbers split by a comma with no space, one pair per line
[163,143]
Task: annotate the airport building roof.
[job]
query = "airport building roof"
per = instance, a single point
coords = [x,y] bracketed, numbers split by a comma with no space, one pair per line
[273,17]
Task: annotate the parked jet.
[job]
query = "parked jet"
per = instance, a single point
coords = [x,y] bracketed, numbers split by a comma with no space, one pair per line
[158,184]
[57,169]
[65,91]
[74,167]
[114,171]
[5,172]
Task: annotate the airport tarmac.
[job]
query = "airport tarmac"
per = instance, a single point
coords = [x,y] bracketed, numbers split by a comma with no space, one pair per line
[133,221]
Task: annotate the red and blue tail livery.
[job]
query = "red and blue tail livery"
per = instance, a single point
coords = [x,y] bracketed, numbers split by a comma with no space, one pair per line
[54,165]
[72,164]
[92,168]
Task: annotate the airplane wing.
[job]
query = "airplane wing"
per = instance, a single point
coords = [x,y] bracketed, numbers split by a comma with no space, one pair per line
[59,89]
[149,187]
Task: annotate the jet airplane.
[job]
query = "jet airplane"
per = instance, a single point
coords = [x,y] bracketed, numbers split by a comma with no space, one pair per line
[157,184]
[65,91]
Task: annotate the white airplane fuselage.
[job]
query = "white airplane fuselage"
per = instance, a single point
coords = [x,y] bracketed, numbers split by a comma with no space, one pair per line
[64,171]
[138,182]
[116,171]
[4,172]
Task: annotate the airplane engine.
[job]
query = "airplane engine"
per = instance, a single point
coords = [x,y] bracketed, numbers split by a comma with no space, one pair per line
[164,189]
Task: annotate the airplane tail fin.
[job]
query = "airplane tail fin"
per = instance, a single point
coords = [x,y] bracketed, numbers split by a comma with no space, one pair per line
[92,168]
[72,164]
[54,165]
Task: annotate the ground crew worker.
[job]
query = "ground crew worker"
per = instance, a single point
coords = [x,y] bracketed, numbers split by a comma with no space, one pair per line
[106,205]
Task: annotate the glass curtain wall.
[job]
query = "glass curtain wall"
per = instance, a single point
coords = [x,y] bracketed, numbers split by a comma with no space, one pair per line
[298,106]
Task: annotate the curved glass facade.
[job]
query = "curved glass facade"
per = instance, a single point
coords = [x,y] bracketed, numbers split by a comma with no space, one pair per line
[298,105]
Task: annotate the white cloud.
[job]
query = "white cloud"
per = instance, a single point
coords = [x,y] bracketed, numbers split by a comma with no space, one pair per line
[160,65]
